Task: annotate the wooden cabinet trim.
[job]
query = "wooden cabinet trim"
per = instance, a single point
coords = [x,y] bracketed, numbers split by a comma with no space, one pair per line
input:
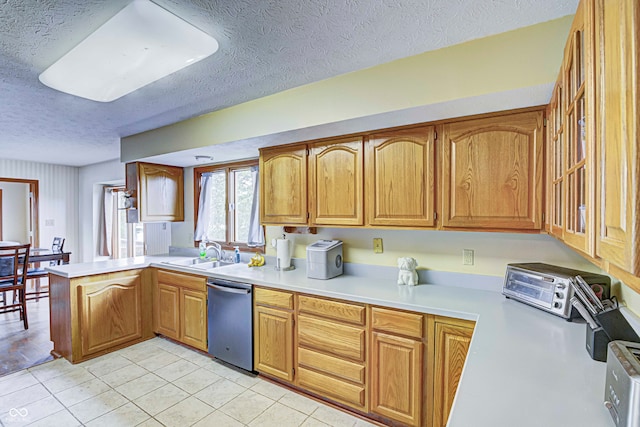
[397,322]
[182,280]
[331,337]
[339,368]
[344,392]
[270,297]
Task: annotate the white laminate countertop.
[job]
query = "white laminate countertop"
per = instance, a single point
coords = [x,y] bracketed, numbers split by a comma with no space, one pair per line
[525,367]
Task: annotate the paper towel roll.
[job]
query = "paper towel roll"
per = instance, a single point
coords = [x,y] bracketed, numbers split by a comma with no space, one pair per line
[283,254]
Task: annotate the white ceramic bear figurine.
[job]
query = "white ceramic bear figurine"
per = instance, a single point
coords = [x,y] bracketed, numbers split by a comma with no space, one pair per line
[407,274]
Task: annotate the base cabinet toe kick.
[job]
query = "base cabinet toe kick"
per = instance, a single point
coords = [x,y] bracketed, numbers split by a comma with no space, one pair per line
[391,366]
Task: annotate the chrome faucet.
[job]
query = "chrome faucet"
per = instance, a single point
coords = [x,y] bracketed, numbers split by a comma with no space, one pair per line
[216,246]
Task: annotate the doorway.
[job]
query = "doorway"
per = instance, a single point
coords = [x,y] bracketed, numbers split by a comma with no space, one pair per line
[19,211]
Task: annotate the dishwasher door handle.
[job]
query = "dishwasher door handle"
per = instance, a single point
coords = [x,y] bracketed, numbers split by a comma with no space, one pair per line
[230,290]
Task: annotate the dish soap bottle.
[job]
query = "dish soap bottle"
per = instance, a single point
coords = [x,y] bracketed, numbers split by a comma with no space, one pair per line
[203,250]
[236,256]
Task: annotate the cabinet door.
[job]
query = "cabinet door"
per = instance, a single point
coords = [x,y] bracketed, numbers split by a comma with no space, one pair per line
[167,310]
[335,183]
[273,342]
[399,170]
[193,318]
[492,172]
[555,164]
[617,45]
[578,131]
[160,192]
[110,313]
[396,378]
[451,346]
[283,186]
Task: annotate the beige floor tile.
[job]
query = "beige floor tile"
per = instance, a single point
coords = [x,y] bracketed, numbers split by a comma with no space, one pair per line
[161,399]
[218,419]
[123,375]
[51,369]
[218,368]
[125,416]
[32,412]
[185,413]
[278,415]
[62,418]
[17,382]
[23,397]
[312,422]
[141,386]
[94,407]
[362,423]
[105,364]
[299,402]
[176,370]
[82,392]
[71,379]
[219,393]
[197,380]
[268,389]
[197,358]
[158,360]
[247,406]
[333,417]
[151,422]
[243,378]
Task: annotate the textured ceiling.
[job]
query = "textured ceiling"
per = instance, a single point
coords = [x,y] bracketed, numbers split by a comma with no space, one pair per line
[266,46]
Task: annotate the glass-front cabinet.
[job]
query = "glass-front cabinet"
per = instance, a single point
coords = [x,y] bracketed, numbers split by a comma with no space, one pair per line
[573,134]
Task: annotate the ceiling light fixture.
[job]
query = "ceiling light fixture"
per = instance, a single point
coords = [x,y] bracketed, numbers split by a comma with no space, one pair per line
[202,159]
[141,44]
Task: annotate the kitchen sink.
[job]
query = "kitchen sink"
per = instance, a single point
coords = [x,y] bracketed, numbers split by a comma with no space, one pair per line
[200,264]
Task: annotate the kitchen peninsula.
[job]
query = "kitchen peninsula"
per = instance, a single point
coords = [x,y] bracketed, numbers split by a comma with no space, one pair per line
[524,367]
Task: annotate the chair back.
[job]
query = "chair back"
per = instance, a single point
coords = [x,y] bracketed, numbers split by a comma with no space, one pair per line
[58,244]
[13,264]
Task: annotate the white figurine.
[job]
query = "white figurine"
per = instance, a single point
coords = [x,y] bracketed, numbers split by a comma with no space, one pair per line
[407,274]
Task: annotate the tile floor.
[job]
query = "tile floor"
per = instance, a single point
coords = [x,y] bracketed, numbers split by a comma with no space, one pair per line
[155,383]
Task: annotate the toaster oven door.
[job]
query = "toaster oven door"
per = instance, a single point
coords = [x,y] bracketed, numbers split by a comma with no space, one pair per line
[530,287]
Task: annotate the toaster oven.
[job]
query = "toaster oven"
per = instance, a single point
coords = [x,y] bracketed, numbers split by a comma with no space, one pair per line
[548,287]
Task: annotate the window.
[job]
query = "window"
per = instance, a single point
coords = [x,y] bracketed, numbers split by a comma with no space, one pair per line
[127,238]
[226,202]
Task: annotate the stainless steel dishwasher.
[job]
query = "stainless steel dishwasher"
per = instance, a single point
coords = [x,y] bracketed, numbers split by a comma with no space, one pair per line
[230,322]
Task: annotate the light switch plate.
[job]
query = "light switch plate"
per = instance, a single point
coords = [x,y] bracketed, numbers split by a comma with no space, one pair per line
[467,257]
[377,245]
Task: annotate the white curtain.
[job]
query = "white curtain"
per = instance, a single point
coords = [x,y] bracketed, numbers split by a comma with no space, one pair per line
[256,231]
[204,207]
[105,237]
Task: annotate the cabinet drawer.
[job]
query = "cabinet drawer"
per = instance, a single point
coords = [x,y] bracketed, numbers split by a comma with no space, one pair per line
[332,309]
[333,388]
[397,322]
[183,280]
[331,338]
[273,298]
[340,368]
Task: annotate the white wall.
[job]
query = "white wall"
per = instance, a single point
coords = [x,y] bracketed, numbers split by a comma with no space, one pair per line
[15,211]
[58,199]
[92,178]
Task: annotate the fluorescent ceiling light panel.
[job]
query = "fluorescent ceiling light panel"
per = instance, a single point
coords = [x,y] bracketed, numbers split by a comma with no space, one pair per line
[141,44]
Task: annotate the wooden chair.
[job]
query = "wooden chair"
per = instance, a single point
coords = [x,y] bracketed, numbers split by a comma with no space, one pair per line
[13,277]
[38,273]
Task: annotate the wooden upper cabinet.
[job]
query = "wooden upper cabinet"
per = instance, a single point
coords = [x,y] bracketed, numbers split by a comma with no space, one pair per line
[578,131]
[492,172]
[157,192]
[400,179]
[335,182]
[555,163]
[283,185]
[617,28]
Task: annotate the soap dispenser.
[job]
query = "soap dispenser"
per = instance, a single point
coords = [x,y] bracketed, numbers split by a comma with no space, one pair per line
[236,256]
[203,250]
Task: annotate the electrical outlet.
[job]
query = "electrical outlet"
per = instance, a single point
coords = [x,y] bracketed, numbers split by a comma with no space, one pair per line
[377,245]
[467,257]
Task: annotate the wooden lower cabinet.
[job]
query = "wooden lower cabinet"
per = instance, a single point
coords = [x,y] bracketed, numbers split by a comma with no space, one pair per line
[273,333]
[273,342]
[396,377]
[452,339]
[181,307]
[94,315]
